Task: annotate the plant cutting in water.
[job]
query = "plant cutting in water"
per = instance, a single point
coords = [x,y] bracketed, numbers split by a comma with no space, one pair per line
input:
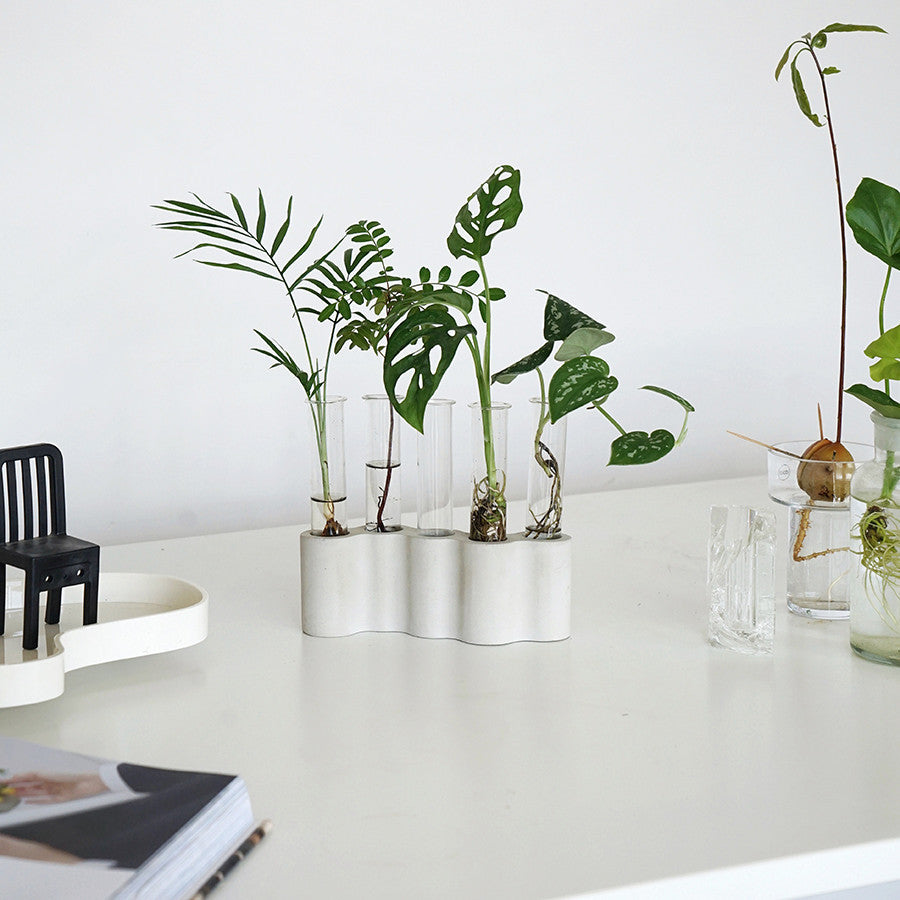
[874,217]
[235,244]
[582,379]
[423,343]
[825,450]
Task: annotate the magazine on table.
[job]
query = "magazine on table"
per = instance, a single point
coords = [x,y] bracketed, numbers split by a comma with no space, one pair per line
[85,828]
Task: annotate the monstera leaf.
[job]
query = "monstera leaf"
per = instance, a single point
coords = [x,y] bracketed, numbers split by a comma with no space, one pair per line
[578,382]
[493,208]
[526,364]
[873,214]
[637,447]
[410,348]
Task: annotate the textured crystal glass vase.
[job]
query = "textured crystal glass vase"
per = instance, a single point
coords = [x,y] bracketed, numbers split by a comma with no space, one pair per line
[328,481]
[817,496]
[487,521]
[740,579]
[545,473]
[875,542]
[382,465]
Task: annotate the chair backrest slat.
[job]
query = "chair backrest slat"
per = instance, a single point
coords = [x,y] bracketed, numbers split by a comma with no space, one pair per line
[40,478]
[45,489]
[27,501]
[12,500]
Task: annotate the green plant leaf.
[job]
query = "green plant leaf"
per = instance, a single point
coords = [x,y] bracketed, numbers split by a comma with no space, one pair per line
[830,70]
[239,267]
[783,61]
[409,350]
[800,94]
[873,214]
[887,344]
[561,319]
[261,219]
[526,364]
[240,212]
[886,369]
[637,447]
[878,400]
[670,394]
[444,274]
[493,208]
[578,382]
[581,342]
[468,278]
[282,232]
[837,26]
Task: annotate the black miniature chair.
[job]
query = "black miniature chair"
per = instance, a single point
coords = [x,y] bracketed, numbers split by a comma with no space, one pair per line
[34,538]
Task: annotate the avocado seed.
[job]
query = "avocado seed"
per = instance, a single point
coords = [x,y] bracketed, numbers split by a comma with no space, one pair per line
[827,474]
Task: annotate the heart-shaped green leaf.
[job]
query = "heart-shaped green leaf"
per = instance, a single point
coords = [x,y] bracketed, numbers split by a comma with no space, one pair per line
[581,342]
[637,447]
[561,319]
[493,208]
[878,400]
[410,347]
[578,382]
[873,214]
[526,364]
[888,344]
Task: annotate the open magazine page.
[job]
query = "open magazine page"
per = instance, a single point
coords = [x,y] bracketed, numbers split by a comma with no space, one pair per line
[76,826]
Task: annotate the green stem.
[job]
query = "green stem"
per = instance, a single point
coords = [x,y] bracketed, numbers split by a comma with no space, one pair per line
[890,476]
[483,376]
[887,281]
[599,408]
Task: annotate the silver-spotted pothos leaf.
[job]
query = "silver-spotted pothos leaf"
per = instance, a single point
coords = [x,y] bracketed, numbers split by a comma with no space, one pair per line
[638,447]
[578,382]
[493,208]
[561,319]
[526,364]
[409,350]
[581,342]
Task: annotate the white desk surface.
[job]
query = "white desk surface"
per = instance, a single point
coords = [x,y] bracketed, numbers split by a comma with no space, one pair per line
[398,767]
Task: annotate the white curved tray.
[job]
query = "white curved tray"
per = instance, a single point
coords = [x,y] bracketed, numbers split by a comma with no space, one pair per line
[138,614]
[436,587]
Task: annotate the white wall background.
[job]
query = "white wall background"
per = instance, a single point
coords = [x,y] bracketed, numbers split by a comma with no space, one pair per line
[672,189]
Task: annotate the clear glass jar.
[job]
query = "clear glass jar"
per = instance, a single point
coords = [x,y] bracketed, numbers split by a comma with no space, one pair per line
[487,520]
[875,543]
[328,478]
[816,493]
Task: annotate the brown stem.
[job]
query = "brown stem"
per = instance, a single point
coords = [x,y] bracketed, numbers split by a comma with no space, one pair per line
[840,199]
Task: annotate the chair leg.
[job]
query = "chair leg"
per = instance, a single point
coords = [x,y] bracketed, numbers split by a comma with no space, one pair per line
[54,606]
[91,592]
[2,598]
[32,613]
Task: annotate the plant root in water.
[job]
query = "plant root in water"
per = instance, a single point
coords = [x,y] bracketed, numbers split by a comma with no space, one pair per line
[488,519]
[549,522]
[881,560]
[802,528]
[332,528]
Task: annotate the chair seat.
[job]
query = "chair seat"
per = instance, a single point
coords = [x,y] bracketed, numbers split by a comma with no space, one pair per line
[47,547]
